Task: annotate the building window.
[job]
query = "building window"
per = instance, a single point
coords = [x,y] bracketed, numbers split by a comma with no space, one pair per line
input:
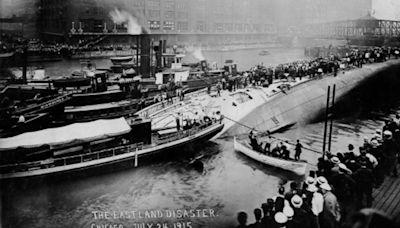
[183,26]
[169,5]
[229,27]
[181,5]
[154,14]
[182,15]
[219,27]
[169,15]
[169,25]
[154,25]
[247,28]
[238,27]
[201,26]
[153,4]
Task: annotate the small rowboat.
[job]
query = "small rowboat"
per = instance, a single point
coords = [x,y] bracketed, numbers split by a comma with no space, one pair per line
[290,165]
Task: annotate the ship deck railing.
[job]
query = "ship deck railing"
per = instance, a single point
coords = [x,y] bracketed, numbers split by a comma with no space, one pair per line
[105,153]
[159,106]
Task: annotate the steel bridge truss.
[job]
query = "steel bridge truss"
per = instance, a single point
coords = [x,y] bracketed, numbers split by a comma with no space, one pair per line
[352,29]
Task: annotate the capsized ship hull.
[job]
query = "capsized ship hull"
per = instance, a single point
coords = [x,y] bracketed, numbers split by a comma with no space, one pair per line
[301,104]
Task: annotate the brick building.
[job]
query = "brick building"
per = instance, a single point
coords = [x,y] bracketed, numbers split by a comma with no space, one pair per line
[178,21]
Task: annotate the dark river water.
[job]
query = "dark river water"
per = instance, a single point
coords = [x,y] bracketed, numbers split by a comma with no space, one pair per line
[229,184]
[245,59]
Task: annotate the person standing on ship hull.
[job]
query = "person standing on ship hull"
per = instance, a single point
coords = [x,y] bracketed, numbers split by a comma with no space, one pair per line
[298,150]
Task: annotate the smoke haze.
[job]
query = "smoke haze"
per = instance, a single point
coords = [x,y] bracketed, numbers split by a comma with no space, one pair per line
[125,18]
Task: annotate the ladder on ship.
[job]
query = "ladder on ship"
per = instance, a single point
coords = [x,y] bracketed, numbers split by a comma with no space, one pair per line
[329,114]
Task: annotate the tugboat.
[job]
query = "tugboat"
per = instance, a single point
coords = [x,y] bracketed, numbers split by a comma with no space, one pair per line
[104,143]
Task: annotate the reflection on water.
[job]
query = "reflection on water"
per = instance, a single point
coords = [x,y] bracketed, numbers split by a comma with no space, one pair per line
[231,182]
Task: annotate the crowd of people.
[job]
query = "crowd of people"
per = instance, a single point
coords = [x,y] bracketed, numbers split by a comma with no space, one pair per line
[316,67]
[342,185]
[12,44]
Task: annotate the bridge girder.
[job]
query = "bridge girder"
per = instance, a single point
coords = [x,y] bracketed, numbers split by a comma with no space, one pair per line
[351,29]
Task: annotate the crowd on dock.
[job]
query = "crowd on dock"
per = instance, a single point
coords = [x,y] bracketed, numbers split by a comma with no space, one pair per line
[331,63]
[343,184]
[13,44]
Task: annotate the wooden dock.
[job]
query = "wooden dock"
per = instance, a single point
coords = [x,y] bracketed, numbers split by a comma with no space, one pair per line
[387,197]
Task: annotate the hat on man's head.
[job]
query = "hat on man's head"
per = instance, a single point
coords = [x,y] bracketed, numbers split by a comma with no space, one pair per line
[321,180]
[387,134]
[280,218]
[342,167]
[312,188]
[374,143]
[326,186]
[296,201]
[310,181]
[335,160]
[288,211]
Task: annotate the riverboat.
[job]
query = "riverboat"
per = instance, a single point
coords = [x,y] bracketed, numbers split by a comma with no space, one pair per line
[121,59]
[13,124]
[102,143]
[297,167]
[110,110]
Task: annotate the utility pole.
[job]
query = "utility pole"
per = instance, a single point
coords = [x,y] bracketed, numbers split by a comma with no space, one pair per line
[332,110]
[330,101]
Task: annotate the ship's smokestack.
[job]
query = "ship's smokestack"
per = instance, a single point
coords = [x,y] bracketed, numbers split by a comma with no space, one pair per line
[145,54]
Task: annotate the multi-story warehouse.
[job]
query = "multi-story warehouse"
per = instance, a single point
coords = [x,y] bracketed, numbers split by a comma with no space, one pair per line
[18,17]
[179,21]
[184,21]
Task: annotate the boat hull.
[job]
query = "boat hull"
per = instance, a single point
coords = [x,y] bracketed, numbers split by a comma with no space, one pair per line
[125,160]
[301,104]
[298,168]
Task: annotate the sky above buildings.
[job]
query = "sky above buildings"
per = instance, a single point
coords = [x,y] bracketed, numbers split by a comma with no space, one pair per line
[386,9]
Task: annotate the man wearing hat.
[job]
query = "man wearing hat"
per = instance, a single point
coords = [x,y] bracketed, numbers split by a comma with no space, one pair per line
[377,136]
[289,212]
[375,149]
[313,201]
[335,161]
[389,154]
[317,205]
[293,190]
[242,219]
[331,213]
[280,200]
[257,216]
[268,211]
[280,219]
[343,184]
[309,189]
[364,183]
[300,217]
